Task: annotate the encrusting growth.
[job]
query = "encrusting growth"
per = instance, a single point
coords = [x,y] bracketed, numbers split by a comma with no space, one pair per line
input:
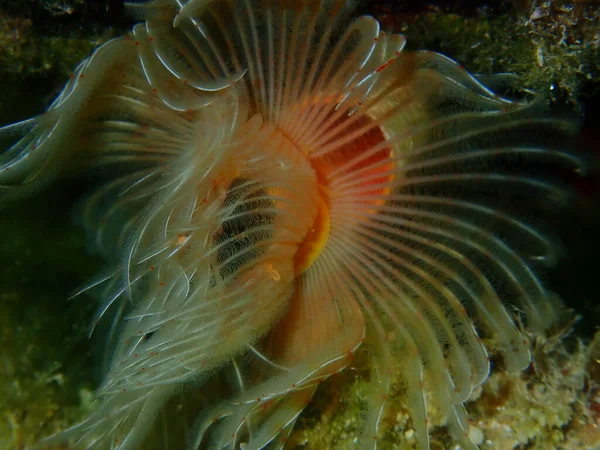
[278,185]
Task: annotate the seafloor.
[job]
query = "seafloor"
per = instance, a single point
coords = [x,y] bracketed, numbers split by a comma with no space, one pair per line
[46,362]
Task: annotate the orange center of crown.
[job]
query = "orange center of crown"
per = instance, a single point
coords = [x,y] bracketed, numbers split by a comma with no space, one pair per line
[316,239]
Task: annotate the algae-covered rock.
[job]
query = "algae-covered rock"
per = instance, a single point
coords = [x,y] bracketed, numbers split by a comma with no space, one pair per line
[50,37]
[554,45]
[554,404]
[46,373]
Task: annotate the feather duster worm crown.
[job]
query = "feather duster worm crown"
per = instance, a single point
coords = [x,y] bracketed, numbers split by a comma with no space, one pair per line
[280,186]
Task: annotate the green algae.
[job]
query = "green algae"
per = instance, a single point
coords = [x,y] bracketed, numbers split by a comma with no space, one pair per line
[555,48]
[37,55]
[45,366]
[43,38]
[554,404]
[26,52]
